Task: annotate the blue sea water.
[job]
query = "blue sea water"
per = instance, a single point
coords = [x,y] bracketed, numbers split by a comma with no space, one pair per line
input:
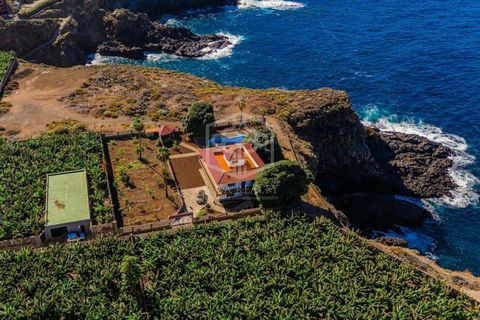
[411,66]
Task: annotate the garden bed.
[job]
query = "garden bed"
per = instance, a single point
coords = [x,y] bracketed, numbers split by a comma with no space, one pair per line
[143,198]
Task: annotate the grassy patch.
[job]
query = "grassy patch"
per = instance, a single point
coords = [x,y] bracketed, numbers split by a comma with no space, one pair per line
[6,58]
[30,10]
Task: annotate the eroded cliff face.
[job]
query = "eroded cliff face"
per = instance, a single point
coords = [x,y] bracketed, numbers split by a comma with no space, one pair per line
[362,170]
[65,32]
[351,158]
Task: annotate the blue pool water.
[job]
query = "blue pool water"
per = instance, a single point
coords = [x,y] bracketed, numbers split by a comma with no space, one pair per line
[225,141]
[412,66]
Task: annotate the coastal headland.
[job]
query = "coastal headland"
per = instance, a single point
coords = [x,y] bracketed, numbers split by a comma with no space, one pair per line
[360,170]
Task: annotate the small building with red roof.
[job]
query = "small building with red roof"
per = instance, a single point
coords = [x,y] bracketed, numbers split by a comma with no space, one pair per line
[165,131]
[232,169]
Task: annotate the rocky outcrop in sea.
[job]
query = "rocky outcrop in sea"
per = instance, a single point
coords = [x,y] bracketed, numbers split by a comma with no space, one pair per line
[67,31]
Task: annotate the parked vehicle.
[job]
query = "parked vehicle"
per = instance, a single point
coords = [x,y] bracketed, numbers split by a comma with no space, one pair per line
[75,237]
[202,197]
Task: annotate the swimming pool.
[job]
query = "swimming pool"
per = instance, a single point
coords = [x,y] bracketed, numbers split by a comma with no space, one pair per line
[225,141]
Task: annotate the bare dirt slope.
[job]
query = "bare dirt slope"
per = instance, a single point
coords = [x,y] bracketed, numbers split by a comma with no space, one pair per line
[36,101]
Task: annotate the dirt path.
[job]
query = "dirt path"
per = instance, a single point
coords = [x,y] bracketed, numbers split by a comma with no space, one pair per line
[35,102]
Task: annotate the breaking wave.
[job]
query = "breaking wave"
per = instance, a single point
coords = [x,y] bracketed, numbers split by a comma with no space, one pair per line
[212,54]
[416,239]
[270,4]
[464,194]
[150,57]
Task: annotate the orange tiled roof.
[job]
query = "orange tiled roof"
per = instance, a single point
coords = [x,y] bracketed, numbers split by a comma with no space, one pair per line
[219,168]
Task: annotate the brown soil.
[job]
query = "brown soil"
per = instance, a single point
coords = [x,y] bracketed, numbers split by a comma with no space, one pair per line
[143,200]
[187,172]
[36,101]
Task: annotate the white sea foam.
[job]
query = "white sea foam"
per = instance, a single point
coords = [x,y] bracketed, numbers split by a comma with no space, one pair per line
[97,58]
[212,54]
[416,239]
[464,194]
[270,4]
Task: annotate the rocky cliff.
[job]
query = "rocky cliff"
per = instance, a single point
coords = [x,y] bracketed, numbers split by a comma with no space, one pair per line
[362,169]
[66,31]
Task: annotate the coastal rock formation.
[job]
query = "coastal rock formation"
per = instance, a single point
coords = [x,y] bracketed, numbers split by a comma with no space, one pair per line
[127,32]
[369,211]
[350,158]
[391,241]
[411,165]
[66,31]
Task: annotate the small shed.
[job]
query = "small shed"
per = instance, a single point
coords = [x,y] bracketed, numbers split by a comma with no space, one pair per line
[166,132]
[68,208]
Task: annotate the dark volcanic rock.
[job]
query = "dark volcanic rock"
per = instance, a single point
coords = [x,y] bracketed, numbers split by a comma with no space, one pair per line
[126,29]
[391,241]
[113,48]
[411,165]
[349,158]
[375,211]
[65,32]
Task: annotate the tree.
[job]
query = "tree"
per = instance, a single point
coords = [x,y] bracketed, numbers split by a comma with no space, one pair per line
[164,155]
[241,106]
[137,125]
[199,115]
[281,183]
[264,142]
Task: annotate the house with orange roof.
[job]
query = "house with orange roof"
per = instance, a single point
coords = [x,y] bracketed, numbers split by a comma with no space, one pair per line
[232,169]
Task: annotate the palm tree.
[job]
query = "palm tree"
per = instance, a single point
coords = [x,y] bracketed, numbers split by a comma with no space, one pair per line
[139,126]
[241,106]
[164,155]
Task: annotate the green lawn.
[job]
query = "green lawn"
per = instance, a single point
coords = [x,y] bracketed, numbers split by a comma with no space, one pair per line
[276,269]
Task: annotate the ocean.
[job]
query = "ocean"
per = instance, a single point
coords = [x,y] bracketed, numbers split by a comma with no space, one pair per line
[408,66]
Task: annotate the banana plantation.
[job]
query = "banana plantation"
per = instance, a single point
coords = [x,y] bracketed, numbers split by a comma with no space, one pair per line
[279,268]
[23,169]
[6,58]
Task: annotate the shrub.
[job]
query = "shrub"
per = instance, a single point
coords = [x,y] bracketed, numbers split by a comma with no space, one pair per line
[281,183]
[199,115]
[5,106]
[69,126]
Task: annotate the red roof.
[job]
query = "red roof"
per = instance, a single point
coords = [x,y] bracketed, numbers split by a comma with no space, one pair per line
[215,157]
[163,130]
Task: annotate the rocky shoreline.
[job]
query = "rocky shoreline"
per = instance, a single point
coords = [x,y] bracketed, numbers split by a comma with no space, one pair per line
[362,170]
[67,31]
